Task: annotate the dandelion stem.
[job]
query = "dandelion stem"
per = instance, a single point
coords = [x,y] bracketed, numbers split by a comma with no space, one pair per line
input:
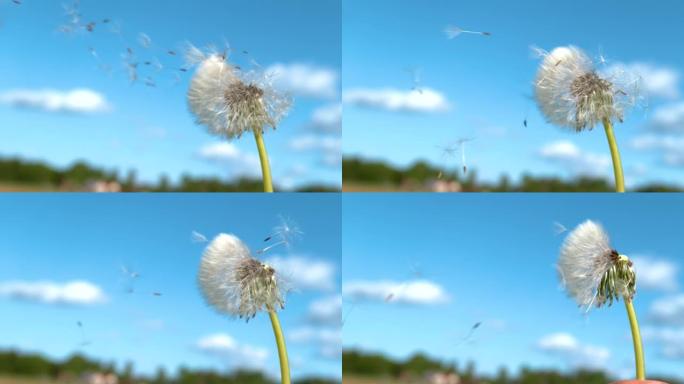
[636,338]
[615,154]
[282,350]
[263,157]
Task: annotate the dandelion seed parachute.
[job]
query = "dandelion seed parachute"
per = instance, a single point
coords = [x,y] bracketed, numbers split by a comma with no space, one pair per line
[235,283]
[572,94]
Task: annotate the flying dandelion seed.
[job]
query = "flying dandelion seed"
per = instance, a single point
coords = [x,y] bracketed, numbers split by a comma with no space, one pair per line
[144,40]
[415,79]
[284,234]
[130,278]
[558,228]
[602,58]
[453,32]
[197,237]
[415,273]
[84,342]
[461,145]
[150,82]
[346,316]
[470,333]
[447,153]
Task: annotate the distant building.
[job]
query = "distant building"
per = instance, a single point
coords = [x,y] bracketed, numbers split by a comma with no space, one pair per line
[102,186]
[444,186]
[443,378]
[99,378]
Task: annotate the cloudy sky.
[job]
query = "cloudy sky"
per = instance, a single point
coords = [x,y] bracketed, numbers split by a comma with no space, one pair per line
[421,277]
[409,90]
[66,94]
[74,258]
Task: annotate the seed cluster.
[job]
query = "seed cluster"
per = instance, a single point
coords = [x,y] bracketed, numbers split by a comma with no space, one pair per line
[593,97]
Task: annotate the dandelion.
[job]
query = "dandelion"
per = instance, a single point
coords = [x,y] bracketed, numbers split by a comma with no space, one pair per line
[594,274]
[230,102]
[235,283]
[572,94]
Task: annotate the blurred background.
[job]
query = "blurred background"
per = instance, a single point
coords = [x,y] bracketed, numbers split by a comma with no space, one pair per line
[445,290]
[425,112]
[92,95]
[100,290]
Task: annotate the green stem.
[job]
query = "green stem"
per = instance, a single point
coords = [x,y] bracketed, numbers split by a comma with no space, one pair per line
[636,338]
[263,157]
[615,154]
[282,350]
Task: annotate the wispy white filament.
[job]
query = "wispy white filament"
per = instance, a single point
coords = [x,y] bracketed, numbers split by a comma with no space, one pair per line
[235,283]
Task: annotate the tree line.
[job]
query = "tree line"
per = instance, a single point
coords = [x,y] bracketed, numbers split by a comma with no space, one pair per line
[417,175]
[374,365]
[16,364]
[77,176]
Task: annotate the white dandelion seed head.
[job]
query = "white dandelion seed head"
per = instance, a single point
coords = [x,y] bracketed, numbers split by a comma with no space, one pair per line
[229,101]
[591,271]
[572,94]
[235,283]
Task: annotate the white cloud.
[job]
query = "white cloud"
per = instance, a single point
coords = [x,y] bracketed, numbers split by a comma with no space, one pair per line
[326,311]
[420,292]
[669,118]
[573,352]
[655,274]
[75,292]
[668,310]
[671,340]
[229,350]
[329,147]
[304,273]
[311,142]
[328,341]
[50,100]
[428,101]
[655,81]
[227,154]
[574,160]
[305,80]
[327,118]
[671,147]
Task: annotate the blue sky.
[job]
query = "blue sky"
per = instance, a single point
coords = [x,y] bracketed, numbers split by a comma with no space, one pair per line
[149,129]
[491,260]
[66,238]
[479,87]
